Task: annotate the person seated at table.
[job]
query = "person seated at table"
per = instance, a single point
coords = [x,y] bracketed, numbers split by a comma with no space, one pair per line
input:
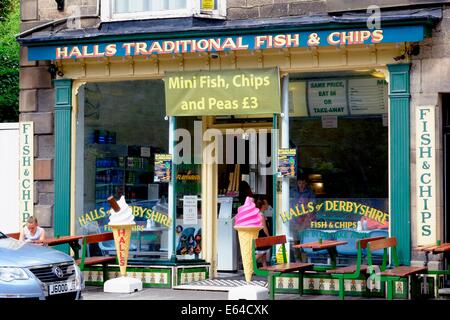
[32,233]
[262,253]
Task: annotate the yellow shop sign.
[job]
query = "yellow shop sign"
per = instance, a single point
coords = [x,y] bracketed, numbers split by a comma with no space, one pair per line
[228,92]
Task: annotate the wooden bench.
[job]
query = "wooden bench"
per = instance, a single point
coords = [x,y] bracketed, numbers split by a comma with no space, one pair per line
[15,235]
[93,260]
[353,271]
[397,272]
[271,272]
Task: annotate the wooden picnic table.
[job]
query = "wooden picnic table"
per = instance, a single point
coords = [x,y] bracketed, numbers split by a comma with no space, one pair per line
[71,240]
[329,245]
[434,249]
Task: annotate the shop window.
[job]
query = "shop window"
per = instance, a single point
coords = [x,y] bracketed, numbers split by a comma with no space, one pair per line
[120,128]
[339,128]
[114,10]
[188,191]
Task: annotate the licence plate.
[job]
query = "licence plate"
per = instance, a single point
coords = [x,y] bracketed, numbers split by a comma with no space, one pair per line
[61,287]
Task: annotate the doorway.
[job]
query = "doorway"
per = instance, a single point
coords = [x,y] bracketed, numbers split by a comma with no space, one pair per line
[245,159]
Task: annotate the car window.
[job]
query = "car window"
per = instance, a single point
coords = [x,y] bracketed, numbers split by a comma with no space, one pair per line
[2,235]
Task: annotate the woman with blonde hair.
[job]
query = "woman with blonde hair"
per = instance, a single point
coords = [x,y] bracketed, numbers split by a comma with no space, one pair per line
[32,232]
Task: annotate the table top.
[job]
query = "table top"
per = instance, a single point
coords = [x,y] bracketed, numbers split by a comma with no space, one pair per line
[288,267]
[324,245]
[435,248]
[61,240]
[403,271]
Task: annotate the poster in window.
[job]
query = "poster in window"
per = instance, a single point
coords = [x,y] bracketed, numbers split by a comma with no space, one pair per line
[190,210]
[327,97]
[329,122]
[163,167]
[287,162]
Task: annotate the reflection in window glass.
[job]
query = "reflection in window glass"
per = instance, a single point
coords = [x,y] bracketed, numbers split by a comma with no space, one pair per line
[188,195]
[124,128]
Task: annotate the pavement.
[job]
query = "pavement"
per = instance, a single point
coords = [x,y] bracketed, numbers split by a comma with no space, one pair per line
[96,293]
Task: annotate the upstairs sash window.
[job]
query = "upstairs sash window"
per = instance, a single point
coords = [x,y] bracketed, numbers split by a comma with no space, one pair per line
[115,10]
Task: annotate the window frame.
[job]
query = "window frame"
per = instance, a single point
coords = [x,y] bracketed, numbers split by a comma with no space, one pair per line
[193,9]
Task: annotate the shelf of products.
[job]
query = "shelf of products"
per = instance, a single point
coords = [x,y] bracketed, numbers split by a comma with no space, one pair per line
[122,175]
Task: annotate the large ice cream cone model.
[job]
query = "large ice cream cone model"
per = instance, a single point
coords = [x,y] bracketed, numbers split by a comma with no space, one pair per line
[248,224]
[122,237]
[246,237]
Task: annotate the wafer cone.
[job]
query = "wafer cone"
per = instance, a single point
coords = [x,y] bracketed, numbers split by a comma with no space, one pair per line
[246,236]
[122,237]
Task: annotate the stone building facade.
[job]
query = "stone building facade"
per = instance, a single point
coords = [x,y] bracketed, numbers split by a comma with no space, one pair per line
[36,90]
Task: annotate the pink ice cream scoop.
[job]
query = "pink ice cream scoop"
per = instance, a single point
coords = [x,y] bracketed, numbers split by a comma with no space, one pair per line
[248,215]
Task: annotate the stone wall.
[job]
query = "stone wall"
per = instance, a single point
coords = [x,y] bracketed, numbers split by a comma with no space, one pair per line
[38,12]
[247,9]
[345,5]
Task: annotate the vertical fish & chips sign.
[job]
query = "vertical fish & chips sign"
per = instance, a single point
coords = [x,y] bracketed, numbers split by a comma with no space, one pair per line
[26,174]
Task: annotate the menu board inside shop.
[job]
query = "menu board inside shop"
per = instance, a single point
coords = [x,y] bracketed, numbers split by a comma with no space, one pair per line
[367,96]
[327,97]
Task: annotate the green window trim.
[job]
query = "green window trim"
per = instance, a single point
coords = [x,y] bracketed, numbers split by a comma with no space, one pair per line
[63,113]
[399,159]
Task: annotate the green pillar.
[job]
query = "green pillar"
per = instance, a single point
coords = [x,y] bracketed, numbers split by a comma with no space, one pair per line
[399,175]
[63,110]
[273,258]
[173,127]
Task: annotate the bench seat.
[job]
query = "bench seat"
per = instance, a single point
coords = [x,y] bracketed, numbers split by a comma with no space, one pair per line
[88,261]
[397,272]
[278,269]
[403,271]
[348,269]
[288,267]
[353,272]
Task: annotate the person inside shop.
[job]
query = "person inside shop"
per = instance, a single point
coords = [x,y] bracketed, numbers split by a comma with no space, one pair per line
[32,233]
[263,253]
[304,193]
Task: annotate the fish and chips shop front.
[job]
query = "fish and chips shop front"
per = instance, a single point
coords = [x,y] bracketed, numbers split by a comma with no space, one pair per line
[313,116]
